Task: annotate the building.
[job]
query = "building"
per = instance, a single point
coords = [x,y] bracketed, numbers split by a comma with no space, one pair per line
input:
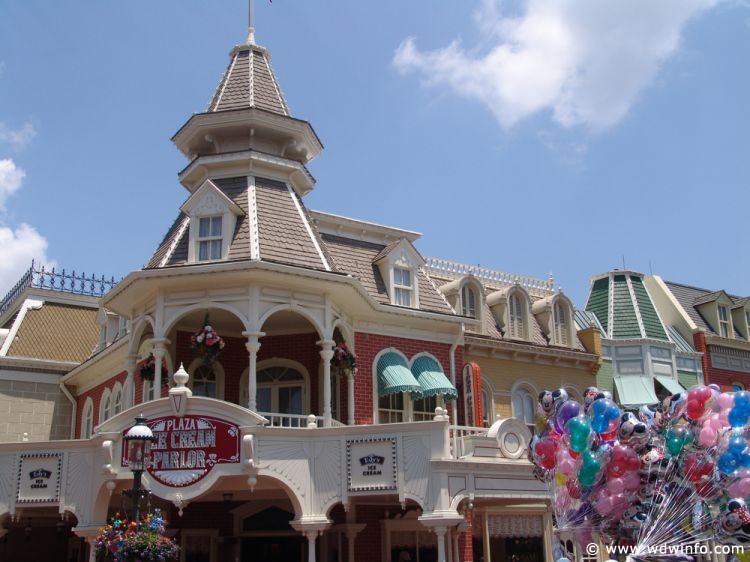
[715,322]
[644,357]
[272,447]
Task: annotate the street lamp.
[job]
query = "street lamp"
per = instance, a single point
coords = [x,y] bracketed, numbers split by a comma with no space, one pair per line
[139,439]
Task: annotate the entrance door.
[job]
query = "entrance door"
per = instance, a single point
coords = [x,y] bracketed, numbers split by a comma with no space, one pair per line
[273,549]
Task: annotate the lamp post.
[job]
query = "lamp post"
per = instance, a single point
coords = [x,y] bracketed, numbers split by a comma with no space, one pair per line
[139,439]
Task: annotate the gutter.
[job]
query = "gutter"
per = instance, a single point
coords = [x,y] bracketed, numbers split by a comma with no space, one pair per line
[74,412]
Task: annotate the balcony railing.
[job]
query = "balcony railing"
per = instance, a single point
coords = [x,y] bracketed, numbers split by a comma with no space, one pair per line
[459,435]
[41,278]
[296,420]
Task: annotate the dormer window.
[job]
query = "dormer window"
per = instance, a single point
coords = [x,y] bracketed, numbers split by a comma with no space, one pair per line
[402,286]
[561,321]
[468,302]
[515,316]
[209,239]
[747,323]
[724,326]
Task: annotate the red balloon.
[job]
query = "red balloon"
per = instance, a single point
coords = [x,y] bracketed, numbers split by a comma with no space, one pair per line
[623,460]
[574,489]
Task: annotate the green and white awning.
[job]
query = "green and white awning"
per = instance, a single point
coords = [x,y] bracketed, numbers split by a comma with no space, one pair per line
[635,390]
[394,376]
[670,384]
[432,379]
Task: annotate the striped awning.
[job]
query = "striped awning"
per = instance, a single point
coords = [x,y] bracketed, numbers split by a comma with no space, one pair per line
[432,379]
[394,376]
[670,384]
[635,390]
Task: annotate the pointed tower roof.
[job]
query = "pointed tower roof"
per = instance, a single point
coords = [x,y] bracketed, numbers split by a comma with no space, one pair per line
[249,81]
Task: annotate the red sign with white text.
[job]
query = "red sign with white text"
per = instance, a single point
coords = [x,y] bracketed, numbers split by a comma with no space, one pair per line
[186,449]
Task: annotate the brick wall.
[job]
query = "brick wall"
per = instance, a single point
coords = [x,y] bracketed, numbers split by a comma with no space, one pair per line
[369,345]
[723,377]
[465,542]
[38,409]
[96,396]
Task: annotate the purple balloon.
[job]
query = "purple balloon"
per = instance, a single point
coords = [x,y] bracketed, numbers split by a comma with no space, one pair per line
[567,410]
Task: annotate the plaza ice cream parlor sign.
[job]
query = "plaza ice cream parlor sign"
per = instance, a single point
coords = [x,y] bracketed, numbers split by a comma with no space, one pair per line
[185,449]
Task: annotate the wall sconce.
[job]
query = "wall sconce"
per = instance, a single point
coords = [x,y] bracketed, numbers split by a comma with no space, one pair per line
[227,497]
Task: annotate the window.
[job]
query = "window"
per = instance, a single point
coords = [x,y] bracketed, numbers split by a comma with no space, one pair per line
[148,390]
[468,302]
[105,408]
[515,315]
[402,286]
[561,324]
[391,408]
[488,416]
[209,238]
[524,408]
[747,323]
[205,382]
[281,390]
[117,399]
[424,408]
[87,419]
[723,321]
[737,387]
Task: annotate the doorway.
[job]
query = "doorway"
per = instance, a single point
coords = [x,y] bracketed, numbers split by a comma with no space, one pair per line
[273,549]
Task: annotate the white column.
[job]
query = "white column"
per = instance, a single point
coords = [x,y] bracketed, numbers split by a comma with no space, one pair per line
[159,351]
[253,346]
[486,538]
[326,353]
[549,548]
[311,536]
[128,393]
[440,532]
[350,396]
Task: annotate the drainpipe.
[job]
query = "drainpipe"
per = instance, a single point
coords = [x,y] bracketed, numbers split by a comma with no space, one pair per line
[74,404]
[459,337]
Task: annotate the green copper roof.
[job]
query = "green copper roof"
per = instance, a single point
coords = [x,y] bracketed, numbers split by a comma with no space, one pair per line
[625,322]
[394,376]
[650,319]
[598,302]
[432,379]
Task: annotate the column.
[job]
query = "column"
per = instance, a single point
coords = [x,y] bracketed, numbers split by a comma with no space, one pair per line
[440,532]
[549,548]
[326,353]
[350,397]
[486,538]
[352,530]
[311,536]
[159,351]
[252,346]
[128,393]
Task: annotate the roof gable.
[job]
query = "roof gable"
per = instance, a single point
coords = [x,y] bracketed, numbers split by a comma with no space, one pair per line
[208,199]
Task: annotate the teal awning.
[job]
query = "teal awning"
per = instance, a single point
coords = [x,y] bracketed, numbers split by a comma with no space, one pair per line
[669,383]
[432,379]
[394,376]
[635,390]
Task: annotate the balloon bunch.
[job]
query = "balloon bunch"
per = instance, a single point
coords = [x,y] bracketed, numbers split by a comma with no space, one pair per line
[672,473]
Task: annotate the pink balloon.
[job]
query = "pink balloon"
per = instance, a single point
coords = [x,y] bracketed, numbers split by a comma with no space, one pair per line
[743,487]
[725,400]
[604,505]
[616,485]
[707,436]
[714,422]
[619,504]
[632,480]
[567,466]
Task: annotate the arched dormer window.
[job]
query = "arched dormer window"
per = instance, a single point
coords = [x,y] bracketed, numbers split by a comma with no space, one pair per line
[105,406]
[87,419]
[468,301]
[517,323]
[561,319]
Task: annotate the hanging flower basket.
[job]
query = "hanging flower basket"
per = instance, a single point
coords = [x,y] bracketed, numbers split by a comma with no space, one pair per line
[206,343]
[343,359]
[126,541]
[148,370]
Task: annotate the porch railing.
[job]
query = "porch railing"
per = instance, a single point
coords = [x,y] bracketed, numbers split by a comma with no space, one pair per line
[295,420]
[459,434]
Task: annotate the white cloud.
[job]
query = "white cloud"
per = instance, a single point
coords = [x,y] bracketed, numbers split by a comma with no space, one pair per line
[584,61]
[11,177]
[20,246]
[17,138]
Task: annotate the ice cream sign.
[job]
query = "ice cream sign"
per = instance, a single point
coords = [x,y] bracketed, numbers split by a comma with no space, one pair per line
[186,449]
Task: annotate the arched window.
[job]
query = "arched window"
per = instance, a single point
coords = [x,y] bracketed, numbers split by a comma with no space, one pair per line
[516,328]
[468,302]
[524,407]
[105,406]
[117,399]
[281,390]
[204,381]
[562,323]
[87,419]
[488,409]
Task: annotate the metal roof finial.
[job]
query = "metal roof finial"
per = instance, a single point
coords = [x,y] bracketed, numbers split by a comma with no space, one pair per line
[250,27]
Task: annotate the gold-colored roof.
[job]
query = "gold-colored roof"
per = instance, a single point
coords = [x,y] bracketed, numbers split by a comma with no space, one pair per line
[57,332]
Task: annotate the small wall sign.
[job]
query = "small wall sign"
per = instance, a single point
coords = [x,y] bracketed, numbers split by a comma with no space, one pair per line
[185,449]
[39,478]
[371,464]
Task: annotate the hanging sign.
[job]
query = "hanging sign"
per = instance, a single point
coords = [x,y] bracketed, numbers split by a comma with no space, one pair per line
[39,478]
[371,464]
[185,449]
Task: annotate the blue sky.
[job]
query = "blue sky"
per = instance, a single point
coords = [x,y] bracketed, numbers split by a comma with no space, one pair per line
[526,136]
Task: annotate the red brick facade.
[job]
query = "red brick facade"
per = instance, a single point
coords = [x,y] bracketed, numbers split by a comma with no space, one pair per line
[725,378]
[465,542]
[96,396]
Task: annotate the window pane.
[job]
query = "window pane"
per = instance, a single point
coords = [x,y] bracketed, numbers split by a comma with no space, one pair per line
[290,400]
[264,400]
[204,227]
[406,277]
[215,249]
[203,248]
[215,226]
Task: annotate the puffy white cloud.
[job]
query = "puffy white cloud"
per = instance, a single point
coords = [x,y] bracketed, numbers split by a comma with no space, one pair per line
[17,138]
[584,61]
[11,177]
[20,246]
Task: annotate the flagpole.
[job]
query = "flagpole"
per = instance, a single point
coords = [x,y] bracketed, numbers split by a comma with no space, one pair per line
[250,28]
